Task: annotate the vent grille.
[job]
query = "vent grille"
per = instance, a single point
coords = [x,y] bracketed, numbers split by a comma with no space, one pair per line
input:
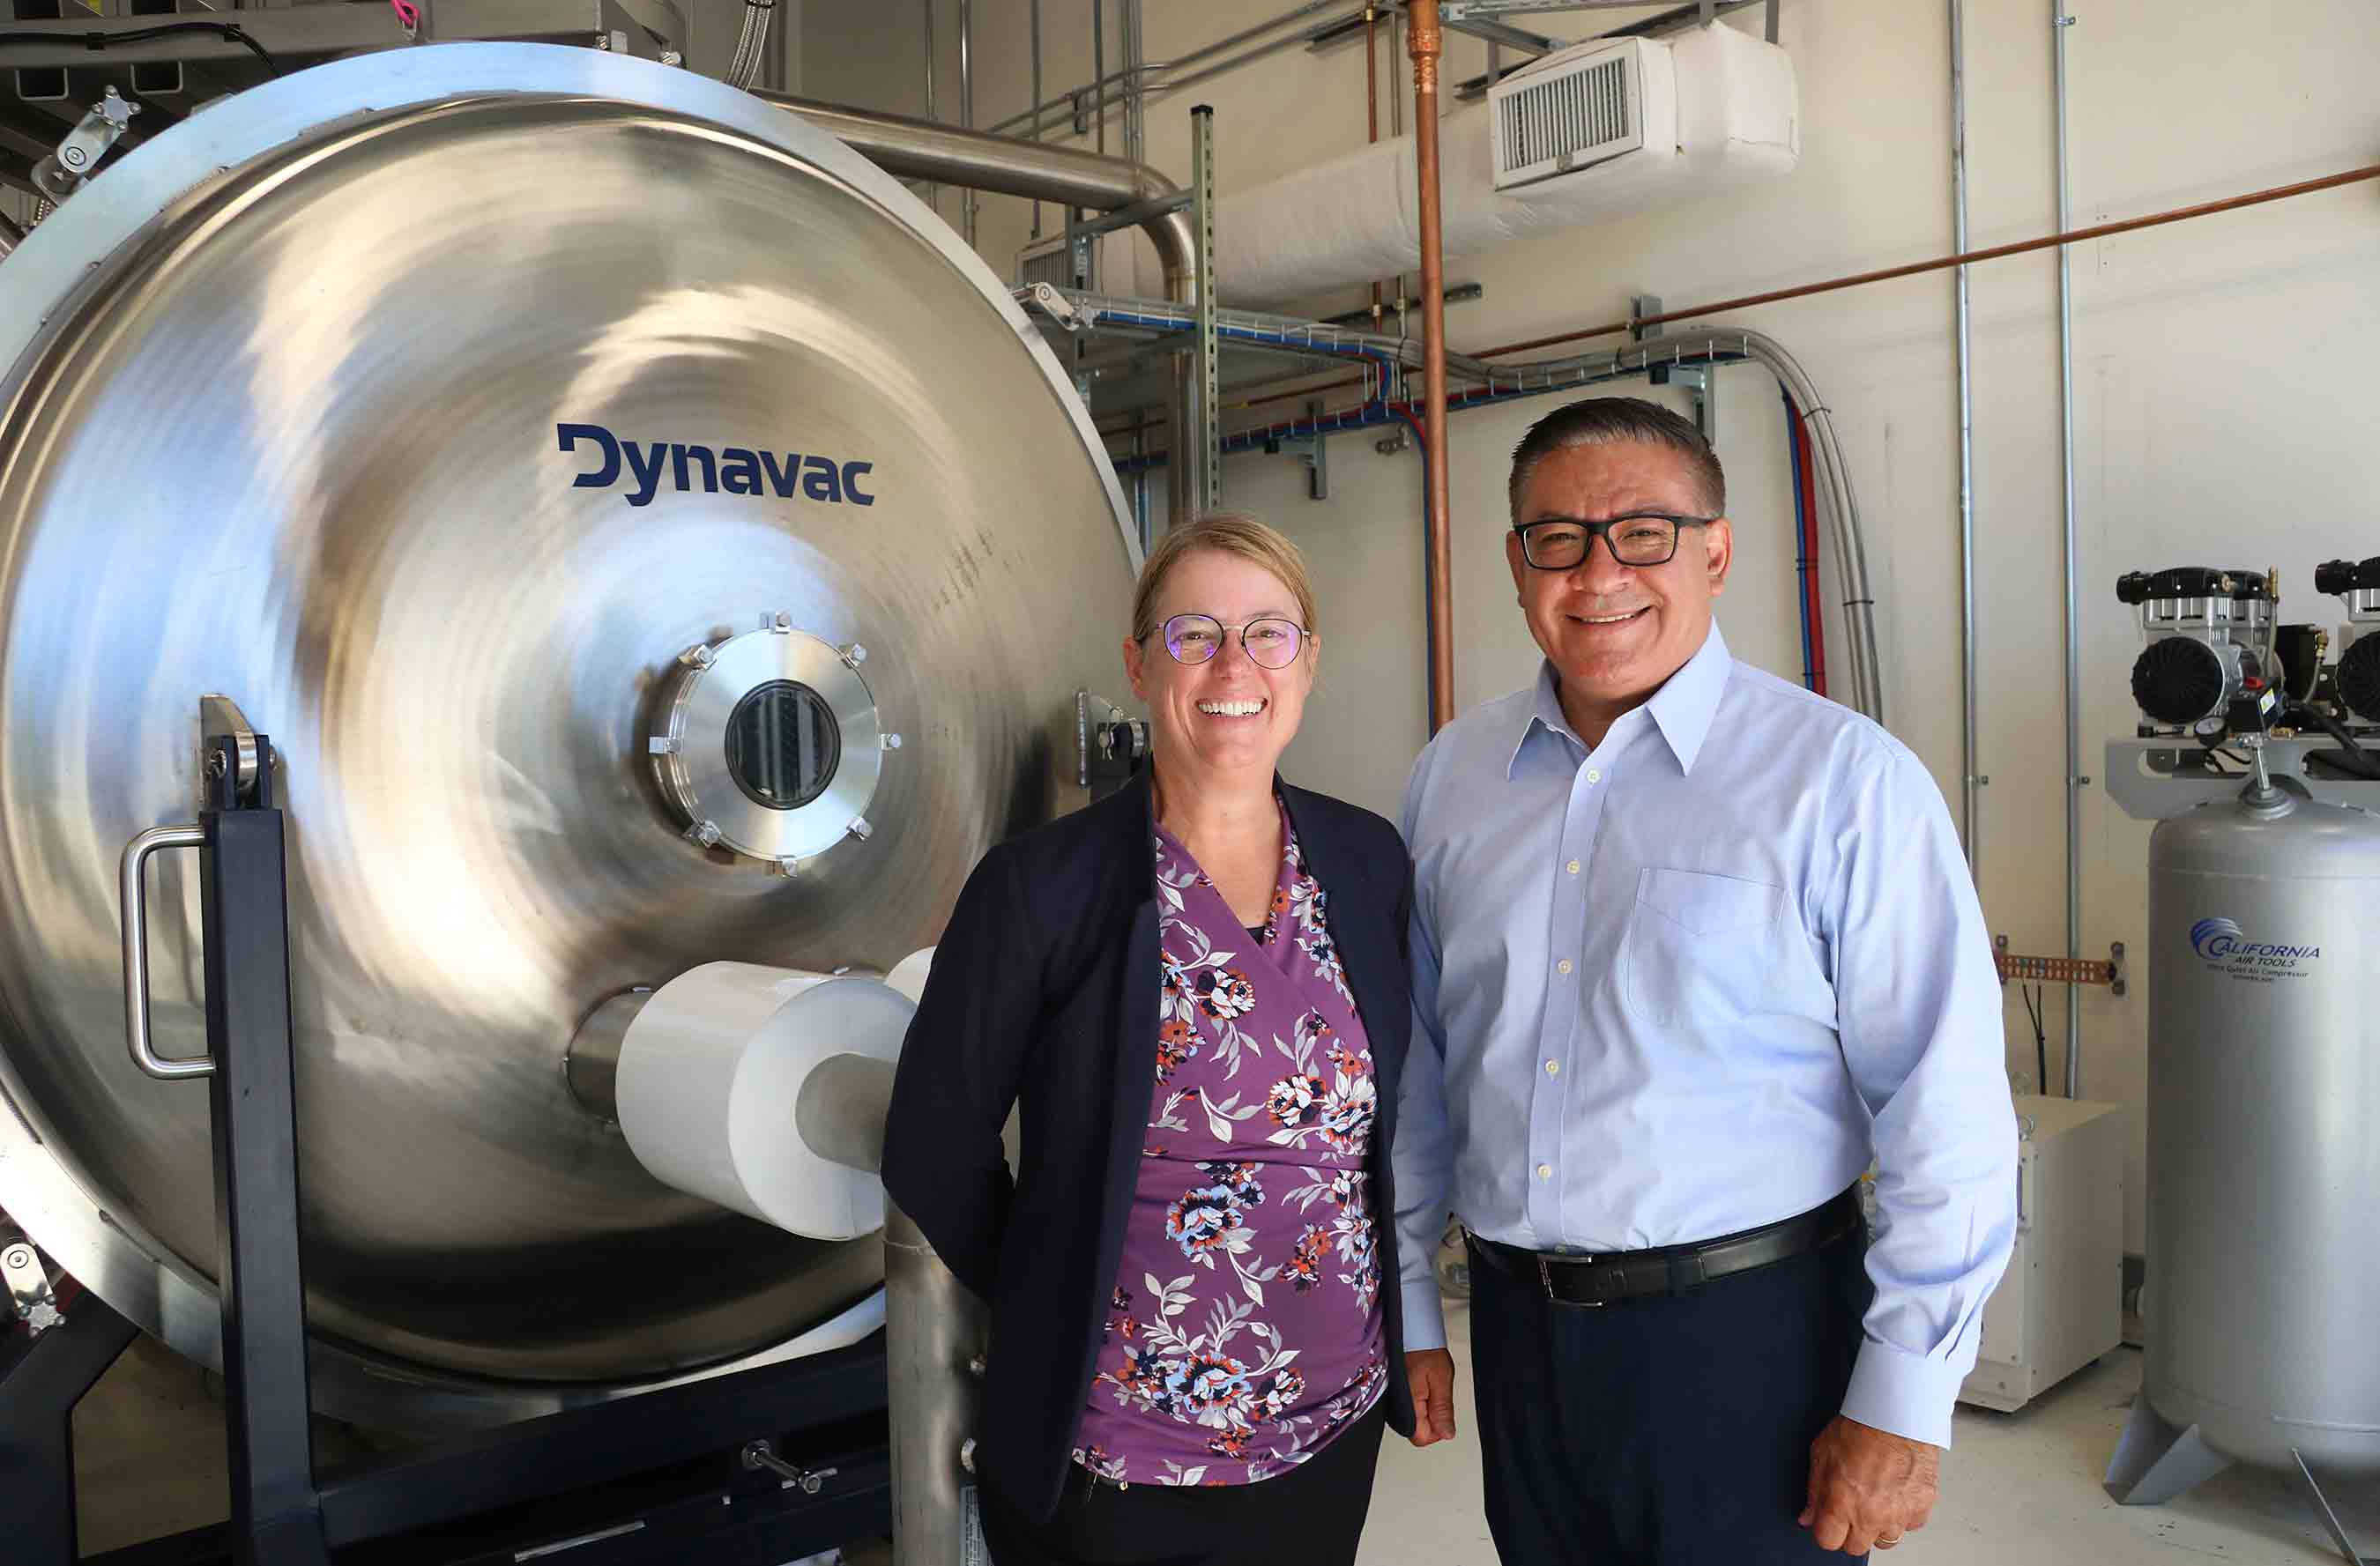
[1049,267]
[1572,113]
[1573,118]
[1051,261]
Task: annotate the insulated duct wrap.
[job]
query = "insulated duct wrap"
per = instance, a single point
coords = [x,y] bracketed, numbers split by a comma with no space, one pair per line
[1725,103]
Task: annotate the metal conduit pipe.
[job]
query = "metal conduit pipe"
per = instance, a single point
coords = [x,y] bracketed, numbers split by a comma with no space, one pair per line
[1372,111]
[933,109]
[1034,18]
[2058,22]
[1176,79]
[1135,95]
[1132,74]
[10,237]
[1971,782]
[967,202]
[920,150]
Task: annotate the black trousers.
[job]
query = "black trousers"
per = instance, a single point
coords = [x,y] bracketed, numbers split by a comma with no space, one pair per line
[1311,1515]
[1668,1430]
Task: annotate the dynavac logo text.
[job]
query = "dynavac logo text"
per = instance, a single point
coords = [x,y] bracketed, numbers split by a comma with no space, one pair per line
[2223,941]
[734,469]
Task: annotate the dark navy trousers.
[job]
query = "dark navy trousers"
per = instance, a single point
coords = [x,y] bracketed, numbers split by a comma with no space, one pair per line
[1666,1430]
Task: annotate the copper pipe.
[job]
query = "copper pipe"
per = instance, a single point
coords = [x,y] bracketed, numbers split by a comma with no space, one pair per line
[1372,111]
[1423,43]
[1993,252]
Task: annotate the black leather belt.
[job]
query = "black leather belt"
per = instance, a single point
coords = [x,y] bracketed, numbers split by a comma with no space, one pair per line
[1673,1270]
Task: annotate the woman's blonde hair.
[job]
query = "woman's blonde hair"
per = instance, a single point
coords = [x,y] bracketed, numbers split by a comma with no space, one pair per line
[1225,532]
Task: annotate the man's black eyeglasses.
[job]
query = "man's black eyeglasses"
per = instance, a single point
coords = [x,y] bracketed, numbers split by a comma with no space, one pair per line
[1645,538]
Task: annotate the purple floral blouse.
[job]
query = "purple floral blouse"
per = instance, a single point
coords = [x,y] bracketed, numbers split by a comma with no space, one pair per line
[1244,1331]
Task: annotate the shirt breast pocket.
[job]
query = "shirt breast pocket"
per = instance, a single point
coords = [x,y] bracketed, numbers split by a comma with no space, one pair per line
[1700,948]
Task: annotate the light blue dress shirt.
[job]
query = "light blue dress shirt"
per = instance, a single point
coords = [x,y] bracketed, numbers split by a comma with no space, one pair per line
[1689,981]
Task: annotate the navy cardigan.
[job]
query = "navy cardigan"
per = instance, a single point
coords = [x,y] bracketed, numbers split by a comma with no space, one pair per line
[1044,992]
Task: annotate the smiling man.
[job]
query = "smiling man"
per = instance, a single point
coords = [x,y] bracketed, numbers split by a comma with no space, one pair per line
[1692,948]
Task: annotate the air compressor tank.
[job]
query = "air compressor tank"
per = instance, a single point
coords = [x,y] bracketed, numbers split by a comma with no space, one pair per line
[2264,1168]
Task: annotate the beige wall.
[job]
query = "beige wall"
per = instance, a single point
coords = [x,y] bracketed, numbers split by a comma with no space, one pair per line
[2224,414]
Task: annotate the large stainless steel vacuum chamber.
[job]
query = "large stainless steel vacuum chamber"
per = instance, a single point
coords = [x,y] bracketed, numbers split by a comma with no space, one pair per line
[650,539]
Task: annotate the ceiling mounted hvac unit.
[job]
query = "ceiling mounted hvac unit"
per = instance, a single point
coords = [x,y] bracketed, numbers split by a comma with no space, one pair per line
[1582,107]
[1606,129]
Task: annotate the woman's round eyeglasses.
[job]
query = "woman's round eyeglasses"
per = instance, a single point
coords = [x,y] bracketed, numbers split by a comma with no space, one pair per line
[1270,642]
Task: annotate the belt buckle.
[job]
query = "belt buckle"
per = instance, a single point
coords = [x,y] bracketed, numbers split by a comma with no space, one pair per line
[1545,1277]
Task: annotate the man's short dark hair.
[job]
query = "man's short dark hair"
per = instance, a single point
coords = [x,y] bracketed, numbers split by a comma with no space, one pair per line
[1611,422]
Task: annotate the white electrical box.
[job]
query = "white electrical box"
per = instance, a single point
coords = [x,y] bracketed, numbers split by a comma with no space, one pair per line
[2061,1305]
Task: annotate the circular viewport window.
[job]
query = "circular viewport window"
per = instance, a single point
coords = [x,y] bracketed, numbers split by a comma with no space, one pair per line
[782,745]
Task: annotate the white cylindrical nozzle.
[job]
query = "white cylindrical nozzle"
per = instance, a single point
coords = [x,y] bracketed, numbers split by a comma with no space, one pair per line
[762,1090]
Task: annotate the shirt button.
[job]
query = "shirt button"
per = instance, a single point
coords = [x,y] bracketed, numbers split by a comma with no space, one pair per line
[1562,966]
[1571,866]
[1594,774]
[1544,1172]
[1553,1068]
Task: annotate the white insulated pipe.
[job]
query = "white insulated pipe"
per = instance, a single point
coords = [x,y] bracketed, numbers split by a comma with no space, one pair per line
[764,1090]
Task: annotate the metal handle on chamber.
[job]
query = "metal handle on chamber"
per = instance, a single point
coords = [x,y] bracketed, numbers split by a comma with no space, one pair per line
[136,951]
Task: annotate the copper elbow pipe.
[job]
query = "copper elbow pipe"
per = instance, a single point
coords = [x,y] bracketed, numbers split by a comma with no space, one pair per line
[1424,44]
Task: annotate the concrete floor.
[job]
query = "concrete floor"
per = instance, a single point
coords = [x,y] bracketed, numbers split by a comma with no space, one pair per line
[149,1450]
[2018,1487]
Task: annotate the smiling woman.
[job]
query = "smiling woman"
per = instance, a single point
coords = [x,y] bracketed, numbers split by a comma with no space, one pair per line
[1223,649]
[1198,988]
